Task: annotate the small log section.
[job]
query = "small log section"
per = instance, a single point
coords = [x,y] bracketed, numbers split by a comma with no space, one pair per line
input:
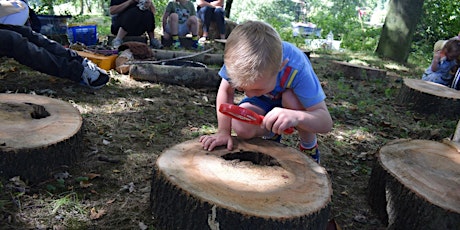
[428,98]
[415,184]
[259,185]
[185,75]
[359,72]
[38,134]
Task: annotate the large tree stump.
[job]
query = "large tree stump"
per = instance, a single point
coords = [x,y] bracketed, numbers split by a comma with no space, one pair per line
[415,185]
[260,185]
[190,75]
[38,135]
[429,98]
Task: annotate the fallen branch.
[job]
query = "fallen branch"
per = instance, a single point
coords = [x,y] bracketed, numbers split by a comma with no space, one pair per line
[170,59]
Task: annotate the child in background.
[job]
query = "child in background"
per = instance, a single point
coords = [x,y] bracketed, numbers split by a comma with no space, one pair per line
[279,83]
[179,19]
[443,63]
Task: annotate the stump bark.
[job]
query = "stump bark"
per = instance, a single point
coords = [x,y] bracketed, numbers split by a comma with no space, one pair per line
[259,185]
[429,98]
[38,135]
[186,75]
[415,185]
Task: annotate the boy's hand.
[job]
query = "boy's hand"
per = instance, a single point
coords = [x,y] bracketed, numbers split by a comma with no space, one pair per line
[279,119]
[209,142]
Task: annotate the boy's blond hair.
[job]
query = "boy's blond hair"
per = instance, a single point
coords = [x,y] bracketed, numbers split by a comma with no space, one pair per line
[252,50]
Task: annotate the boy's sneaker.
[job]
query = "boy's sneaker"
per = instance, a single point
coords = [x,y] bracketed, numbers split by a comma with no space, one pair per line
[155,44]
[313,152]
[117,43]
[93,76]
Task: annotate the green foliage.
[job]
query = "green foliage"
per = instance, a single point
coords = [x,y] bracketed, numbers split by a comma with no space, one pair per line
[440,21]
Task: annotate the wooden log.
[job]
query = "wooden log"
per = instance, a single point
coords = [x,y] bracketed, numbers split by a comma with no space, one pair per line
[260,185]
[429,98]
[185,75]
[415,185]
[359,72]
[207,58]
[38,135]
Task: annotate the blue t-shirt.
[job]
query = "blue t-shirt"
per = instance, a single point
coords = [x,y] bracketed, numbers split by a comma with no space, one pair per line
[442,75]
[297,75]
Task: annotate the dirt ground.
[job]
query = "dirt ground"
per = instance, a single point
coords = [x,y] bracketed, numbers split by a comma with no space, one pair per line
[129,123]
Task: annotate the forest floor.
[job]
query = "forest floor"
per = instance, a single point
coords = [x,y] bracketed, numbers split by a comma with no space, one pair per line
[129,123]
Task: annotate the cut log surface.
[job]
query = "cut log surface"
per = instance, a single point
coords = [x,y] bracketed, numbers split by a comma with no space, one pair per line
[415,184]
[37,135]
[193,77]
[259,185]
[429,98]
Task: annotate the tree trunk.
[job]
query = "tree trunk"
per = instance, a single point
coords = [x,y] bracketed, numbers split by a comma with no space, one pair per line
[185,75]
[415,185]
[260,185]
[37,136]
[398,29]
[429,98]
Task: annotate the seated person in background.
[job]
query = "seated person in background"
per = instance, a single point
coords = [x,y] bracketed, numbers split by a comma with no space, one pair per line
[133,18]
[47,56]
[179,19]
[208,11]
[439,44]
[443,63]
[13,12]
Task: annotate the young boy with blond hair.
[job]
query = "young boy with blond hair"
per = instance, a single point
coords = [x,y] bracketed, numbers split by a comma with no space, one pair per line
[279,83]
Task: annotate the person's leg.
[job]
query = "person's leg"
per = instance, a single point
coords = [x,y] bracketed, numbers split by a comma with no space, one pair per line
[192,24]
[206,17]
[14,45]
[219,18]
[173,24]
[47,56]
[41,41]
[308,141]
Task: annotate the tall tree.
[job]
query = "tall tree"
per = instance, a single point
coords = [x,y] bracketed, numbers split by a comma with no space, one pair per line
[398,29]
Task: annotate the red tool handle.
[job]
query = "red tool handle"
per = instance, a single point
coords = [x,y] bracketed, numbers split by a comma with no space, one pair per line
[245,115]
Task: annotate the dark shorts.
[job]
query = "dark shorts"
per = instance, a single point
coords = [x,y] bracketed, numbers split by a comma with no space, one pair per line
[136,22]
[263,102]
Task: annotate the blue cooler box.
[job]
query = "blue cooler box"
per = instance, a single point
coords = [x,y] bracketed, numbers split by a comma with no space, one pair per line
[86,34]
